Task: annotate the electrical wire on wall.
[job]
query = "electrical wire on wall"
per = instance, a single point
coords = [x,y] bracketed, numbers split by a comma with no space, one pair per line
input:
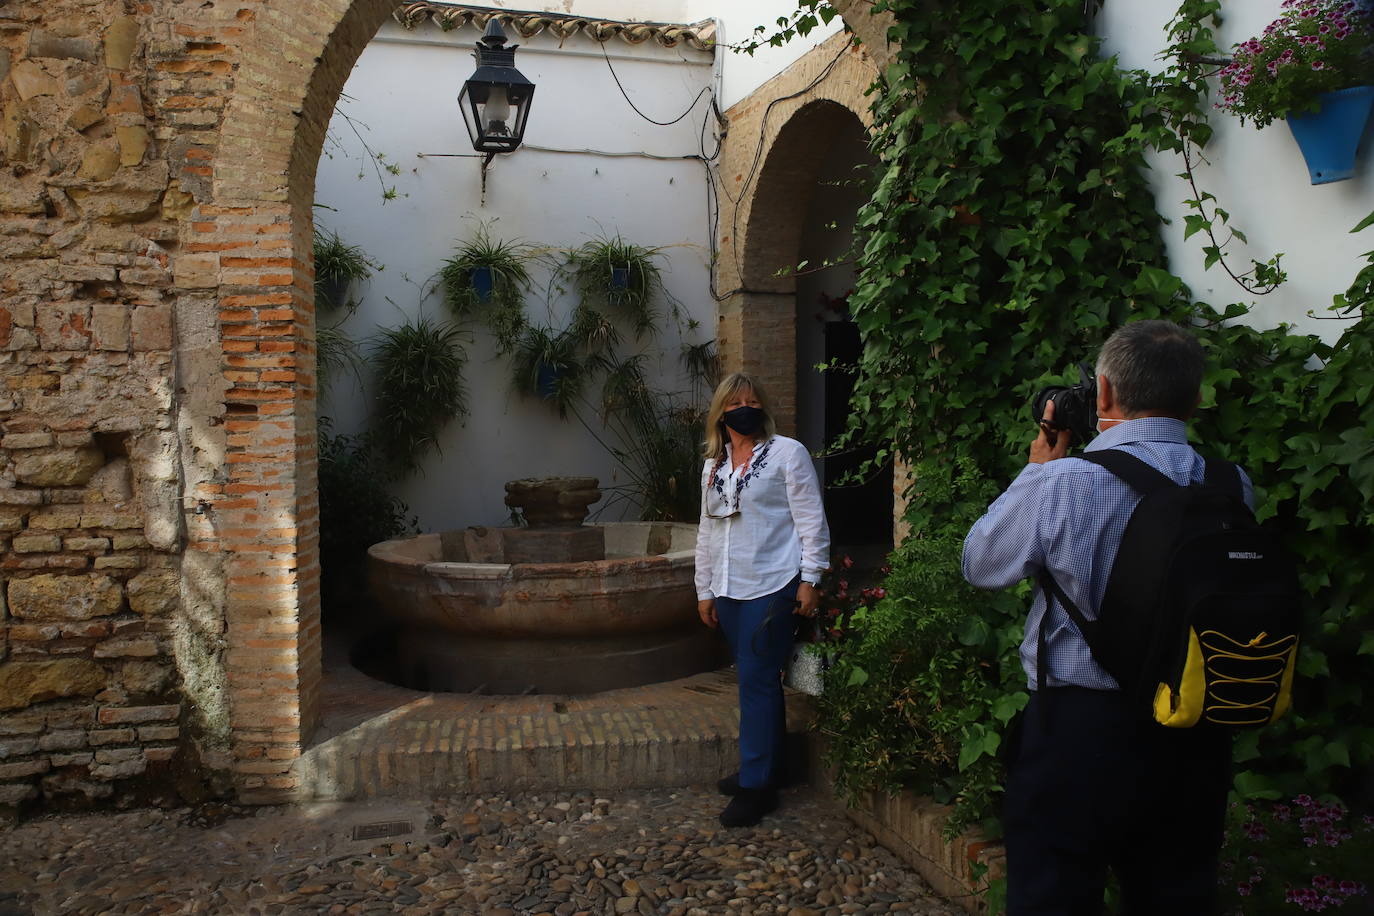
[707,157]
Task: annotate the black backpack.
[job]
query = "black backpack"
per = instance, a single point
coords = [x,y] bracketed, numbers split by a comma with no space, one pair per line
[1199,623]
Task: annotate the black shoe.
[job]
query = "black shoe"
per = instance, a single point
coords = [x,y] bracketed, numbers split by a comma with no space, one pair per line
[728,785]
[748,807]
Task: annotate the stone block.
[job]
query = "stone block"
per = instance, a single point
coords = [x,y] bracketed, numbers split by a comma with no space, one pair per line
[71,760]
[13,496]
[159,733]
[62,740]
[196,271]
[121,40]
[43,543]
[101,737]
[138,714]
[85,116]
[17,794]
[154,593]
[47,44]
[133,143]
[53,597]
[24,683]
[73,780]
[110,326]
[152,328]
[128,648]
[86,544]
[144,678]
[99,163]
[64,468]
[118,563]
[121,770]
[64,326]
[17,747]
[24,197]
[31,80]
[27,440]
[116,205]
[56,519]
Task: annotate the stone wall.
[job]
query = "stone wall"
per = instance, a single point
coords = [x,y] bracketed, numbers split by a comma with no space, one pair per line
[157,500]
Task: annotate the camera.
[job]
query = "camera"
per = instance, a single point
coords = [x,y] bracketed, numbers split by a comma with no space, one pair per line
[1075,406]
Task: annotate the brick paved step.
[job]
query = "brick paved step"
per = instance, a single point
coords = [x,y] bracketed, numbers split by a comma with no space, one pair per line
[379,740]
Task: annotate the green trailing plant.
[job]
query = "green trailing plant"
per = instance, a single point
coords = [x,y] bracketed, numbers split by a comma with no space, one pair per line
[357,510]
[1011,229]
[1173,109]
[419,380]
[550,365]
[335,352]
[619,279]
[656,440]
[487,278]
[337,266]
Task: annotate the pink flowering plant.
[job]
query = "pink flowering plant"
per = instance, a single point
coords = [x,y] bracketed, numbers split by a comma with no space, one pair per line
[1307,856]
[1316,46]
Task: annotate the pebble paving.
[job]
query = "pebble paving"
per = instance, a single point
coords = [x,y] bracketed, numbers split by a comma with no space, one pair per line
[647,852]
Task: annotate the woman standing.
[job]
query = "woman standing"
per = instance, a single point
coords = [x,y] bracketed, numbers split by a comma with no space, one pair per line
[761,548]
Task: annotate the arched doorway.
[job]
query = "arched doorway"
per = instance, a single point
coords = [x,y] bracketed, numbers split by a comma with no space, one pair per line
[797,206]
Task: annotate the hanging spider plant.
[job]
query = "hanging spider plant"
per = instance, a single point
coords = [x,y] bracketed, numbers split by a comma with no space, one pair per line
[550,364]
[621,278]
[337,266]
[420,389]
[487,278]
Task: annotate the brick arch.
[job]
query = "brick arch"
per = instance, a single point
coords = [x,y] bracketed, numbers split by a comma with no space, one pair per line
[769,166]
[783,191]
[257,240]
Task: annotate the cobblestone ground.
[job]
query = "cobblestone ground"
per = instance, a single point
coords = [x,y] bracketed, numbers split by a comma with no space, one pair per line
[641,852]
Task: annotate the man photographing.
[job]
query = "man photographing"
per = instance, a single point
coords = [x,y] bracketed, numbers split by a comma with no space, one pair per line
[1092,782]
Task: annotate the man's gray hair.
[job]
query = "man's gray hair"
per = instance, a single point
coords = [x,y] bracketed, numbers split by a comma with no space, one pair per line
[1153,367]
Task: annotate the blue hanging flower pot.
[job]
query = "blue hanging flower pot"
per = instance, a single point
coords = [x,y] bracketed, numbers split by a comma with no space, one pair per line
[483,282]
[1330,136]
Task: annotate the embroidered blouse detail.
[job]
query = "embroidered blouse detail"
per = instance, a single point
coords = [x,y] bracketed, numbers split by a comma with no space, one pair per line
[757,462]
[761,523]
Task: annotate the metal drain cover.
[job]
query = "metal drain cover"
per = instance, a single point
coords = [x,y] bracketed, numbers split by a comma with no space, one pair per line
[380,829]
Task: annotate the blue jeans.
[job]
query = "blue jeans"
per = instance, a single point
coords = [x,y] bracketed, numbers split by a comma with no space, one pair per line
[760,646]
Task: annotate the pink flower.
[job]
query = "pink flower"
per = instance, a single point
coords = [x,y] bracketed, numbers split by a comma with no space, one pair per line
[1318,65]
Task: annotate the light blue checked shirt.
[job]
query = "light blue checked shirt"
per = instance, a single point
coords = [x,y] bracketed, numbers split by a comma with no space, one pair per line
[1069,516]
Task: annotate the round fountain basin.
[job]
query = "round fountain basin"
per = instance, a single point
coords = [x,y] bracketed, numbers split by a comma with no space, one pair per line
[561,627]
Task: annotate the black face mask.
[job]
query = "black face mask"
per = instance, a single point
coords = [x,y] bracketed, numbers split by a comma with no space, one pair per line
[744,420]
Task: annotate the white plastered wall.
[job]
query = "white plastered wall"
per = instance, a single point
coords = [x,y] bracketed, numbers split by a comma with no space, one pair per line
[1260,178]
[402,98]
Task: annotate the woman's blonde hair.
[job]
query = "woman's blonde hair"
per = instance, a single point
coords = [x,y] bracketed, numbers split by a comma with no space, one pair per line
[730,386]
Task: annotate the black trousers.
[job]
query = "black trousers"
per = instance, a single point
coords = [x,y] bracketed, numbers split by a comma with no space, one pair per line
[1092,787]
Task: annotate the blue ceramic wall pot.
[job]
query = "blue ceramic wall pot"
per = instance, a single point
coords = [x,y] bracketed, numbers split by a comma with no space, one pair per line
[483,281]
[546,381]
[1330,136]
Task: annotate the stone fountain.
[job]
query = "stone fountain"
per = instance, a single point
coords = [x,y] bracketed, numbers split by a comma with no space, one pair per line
[557,606]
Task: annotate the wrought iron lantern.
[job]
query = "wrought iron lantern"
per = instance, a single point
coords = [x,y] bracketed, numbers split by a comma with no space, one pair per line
[495,100]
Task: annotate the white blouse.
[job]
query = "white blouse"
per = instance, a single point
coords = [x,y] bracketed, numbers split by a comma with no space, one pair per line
[775,525]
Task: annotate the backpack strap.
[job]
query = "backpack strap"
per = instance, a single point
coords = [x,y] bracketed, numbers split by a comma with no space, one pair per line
[1135,473]
[1225,476]
[1140,477]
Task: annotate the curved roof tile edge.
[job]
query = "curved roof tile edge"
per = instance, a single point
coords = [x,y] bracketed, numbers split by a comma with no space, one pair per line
[447,16]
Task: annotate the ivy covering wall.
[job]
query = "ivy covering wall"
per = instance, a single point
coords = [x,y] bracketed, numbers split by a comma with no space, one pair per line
[1011,230]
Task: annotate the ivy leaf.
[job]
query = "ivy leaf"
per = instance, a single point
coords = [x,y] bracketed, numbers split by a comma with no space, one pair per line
[857,677]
